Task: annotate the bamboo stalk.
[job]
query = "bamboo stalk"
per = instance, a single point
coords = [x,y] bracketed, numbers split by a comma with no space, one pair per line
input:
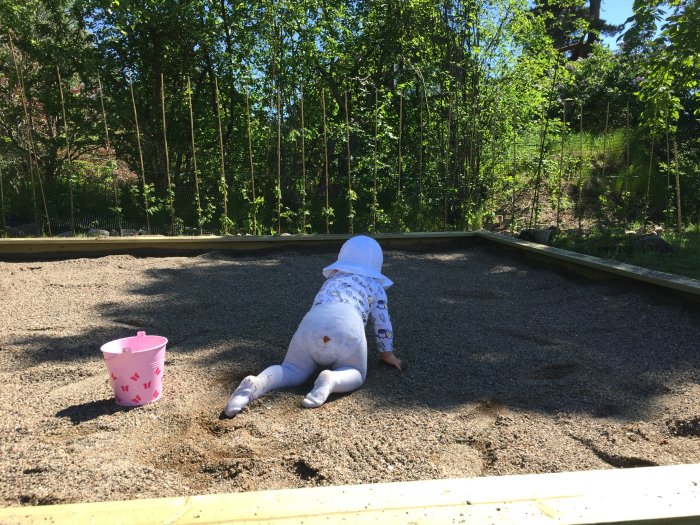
[143,169]
[171,191]
[70,172]
[109,147]
[250,159]
[222,185]
[197,200]
[325,150]
[303,166]
[347,142]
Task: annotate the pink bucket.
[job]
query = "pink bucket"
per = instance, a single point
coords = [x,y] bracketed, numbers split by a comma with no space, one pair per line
[135,366]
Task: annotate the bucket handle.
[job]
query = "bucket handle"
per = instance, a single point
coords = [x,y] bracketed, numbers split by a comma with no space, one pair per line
[129,350]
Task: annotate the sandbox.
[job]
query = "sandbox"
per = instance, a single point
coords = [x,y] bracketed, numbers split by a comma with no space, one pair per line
[512,368]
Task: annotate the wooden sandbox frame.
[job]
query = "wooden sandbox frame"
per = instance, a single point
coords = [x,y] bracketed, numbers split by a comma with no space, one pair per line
[649,495]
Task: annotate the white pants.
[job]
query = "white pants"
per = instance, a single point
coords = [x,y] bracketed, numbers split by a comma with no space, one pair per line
[331,336]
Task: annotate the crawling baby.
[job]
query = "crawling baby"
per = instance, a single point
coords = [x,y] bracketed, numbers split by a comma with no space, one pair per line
[332,334]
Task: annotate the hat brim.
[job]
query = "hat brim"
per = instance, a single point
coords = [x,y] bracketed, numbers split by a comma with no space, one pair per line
[358,270]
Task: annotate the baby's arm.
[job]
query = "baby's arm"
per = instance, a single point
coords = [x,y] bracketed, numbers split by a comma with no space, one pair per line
[383,330]
[390,359]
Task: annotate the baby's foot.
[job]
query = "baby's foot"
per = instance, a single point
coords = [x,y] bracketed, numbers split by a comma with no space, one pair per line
[316,397]
[241,397]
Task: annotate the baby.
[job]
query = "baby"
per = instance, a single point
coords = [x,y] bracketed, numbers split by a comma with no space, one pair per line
[332,333]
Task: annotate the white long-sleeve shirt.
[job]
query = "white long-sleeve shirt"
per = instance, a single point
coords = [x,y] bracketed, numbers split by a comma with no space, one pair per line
[369,299]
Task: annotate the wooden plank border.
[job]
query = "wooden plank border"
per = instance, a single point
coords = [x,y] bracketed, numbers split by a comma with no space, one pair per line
[60,248]
[649,495]
[587,265]
[591,266]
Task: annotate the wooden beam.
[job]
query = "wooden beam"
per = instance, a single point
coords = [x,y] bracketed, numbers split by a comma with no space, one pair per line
[650,495]
[587,265]
[595,265]
[98,246]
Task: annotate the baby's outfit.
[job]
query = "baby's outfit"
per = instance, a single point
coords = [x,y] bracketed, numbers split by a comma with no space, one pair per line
[331,335]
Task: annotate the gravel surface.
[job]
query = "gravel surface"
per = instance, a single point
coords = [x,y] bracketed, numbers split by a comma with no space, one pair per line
[511,369]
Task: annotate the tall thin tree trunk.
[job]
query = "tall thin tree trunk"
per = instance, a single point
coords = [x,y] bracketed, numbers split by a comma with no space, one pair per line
[561,166]
[143,169]
[668,163]
[535,210]
[515,172]
[446,161]
[326,210]
[109,149]
[605,139]
[171,190]
[223,186]
[580,174]
[70,171]
[351,213]
[400,139]
[2,202]
[197,200]
[254,201]
[676,169]
[31,153]
[421,151]
[374,167]
[651,166]
[303,166]
[278,190]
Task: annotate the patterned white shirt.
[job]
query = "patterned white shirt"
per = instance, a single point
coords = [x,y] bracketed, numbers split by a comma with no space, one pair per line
[369,299]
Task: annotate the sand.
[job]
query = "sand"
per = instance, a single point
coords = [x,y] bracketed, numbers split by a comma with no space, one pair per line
[511,368]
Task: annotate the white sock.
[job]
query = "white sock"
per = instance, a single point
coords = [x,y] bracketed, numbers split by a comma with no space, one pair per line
[241,396]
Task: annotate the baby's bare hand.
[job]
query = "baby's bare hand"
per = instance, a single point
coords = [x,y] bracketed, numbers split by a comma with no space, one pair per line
[390,359]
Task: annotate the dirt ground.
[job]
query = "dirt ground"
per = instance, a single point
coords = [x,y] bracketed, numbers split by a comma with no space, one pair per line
[512,368]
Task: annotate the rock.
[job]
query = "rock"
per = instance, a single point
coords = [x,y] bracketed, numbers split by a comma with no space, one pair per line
[127,232]
[65,234]
[540,236]
[23,230]
[651,243]
[94,232]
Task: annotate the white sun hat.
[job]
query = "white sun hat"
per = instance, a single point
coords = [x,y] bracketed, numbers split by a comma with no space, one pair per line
[360,255]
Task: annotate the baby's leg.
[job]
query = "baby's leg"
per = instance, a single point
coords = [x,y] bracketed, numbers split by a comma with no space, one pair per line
[294,370]
[344,379]
[348,371]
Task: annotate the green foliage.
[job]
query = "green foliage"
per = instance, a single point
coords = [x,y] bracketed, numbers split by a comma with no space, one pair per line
[474,93]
